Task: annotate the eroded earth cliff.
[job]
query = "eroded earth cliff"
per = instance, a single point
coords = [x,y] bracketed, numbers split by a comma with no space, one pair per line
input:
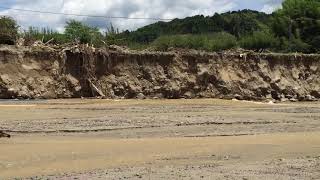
[74,72]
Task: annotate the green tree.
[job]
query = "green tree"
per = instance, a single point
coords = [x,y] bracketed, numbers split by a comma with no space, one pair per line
[219,41]
[8,30]
[258,41]
[315,43]
[76,31]
[298,21]
[111,35]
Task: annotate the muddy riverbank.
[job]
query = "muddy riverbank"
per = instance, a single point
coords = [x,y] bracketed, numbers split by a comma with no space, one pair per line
[78,71]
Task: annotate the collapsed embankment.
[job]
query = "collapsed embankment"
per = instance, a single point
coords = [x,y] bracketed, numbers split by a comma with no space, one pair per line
[75,72]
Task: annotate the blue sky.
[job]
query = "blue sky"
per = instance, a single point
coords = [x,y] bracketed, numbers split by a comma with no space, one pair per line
[128,8]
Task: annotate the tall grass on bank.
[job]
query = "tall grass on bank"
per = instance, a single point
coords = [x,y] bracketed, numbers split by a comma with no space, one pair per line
[209,42]
[258,40]
[44,34]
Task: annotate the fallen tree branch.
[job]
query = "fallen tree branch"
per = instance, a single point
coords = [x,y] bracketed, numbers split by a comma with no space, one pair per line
[49,41]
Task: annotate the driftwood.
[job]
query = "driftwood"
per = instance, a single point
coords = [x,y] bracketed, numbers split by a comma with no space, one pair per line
[4,135]
[96,89]
[49,41]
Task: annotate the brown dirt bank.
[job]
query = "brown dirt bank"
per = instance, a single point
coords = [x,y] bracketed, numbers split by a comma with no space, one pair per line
[75,72]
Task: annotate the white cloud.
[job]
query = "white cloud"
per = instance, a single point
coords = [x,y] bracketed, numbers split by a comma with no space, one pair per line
[271,5]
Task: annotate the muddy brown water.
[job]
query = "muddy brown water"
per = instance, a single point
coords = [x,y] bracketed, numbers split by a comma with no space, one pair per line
[159,139]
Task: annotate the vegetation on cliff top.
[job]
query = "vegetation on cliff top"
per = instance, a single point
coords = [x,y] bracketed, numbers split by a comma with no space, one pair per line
[293,28]
[8,30]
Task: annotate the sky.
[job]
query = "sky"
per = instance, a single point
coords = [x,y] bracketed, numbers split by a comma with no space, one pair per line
[165,9]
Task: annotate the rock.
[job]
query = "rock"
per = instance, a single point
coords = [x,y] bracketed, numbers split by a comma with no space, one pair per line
[275,95]
[24,92]
[77,88]
[74,83]
[238,97]
[133,88]
[309,98]
[293,100]
[157,88]
[138,176]
[11,90]
[141,96]
[269,96]
[5,78]
[4,135]
[20,42]
[288,96]
[271,102]
[158,96]
[196,88]
[188,95]
[316,94]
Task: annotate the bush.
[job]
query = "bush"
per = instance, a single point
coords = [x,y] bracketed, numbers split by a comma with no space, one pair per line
[220,41]
[297,45]
[316,44]
[162,43]
[76,31]
[8,30]
[258,40]
[209,42]
[111,36]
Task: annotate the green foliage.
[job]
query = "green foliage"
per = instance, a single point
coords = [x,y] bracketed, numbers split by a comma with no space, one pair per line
[8,30]
[220,41]
[315,43]
[296,9]
[295,27]
[209,42]
[297,45]
[237,23]
[111,36]
[76,31]
[298,22]
[258,40]
[45,35]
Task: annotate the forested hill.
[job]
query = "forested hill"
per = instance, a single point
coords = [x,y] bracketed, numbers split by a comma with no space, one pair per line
[237,23]
[293,28]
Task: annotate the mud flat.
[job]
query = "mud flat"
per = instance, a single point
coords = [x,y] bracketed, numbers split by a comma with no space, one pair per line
[159,139]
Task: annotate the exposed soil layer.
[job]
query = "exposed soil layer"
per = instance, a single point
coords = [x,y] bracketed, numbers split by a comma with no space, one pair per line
[75,72]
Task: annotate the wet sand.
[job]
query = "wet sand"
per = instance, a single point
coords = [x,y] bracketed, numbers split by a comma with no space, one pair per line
[160,139]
